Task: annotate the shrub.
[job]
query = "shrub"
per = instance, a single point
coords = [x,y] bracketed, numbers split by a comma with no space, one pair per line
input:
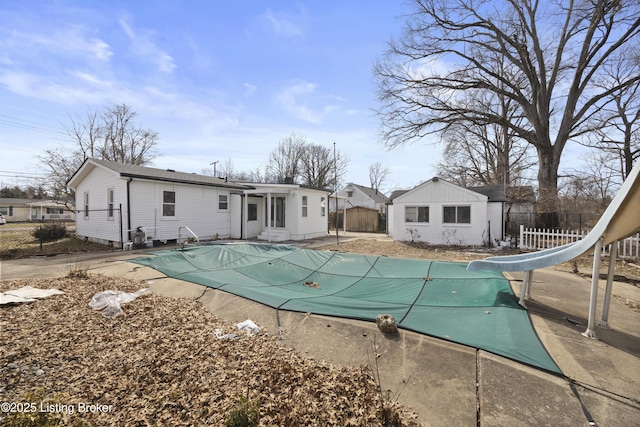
[245,414]
[50,232]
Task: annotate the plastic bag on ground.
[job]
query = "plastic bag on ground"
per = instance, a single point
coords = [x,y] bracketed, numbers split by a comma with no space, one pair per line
[109,301]
[220,336]
[249,327]
[27,294]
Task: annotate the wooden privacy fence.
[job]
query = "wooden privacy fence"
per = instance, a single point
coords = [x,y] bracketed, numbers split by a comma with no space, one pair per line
[362,219]
[538,239]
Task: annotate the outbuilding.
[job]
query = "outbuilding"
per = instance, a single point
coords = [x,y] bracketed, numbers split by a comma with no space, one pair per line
[442,213]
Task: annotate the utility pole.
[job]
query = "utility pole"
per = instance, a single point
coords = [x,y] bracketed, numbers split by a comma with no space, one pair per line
[335,189]
[214,167]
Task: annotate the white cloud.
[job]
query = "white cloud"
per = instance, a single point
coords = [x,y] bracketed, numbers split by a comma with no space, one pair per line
[286,25]
[143,45]
[69,41]
[289,100]
[249,90]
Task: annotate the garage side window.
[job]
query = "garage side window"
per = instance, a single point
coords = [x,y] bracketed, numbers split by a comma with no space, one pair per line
[416,214]
[304,206]
[86,204]
[323,206]
[168,204]
[456,214]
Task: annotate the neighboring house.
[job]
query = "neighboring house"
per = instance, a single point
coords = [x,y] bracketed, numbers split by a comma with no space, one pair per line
[20,210]
[115,201]
[439,212]
[353,195]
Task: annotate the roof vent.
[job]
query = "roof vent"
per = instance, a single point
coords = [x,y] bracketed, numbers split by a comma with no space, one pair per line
[171,170]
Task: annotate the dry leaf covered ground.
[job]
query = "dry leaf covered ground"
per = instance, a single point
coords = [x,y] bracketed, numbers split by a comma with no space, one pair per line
[160,363]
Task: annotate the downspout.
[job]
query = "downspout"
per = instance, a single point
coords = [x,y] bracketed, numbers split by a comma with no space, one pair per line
[242,210]
[129,210]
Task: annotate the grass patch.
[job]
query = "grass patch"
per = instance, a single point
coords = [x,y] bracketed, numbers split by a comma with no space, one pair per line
[17,241]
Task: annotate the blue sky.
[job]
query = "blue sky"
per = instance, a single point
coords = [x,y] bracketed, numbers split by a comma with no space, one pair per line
[217,80]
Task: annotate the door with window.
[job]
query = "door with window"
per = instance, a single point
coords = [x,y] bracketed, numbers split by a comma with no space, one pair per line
[277,212]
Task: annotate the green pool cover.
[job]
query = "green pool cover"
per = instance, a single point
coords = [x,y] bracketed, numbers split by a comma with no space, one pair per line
[436,298]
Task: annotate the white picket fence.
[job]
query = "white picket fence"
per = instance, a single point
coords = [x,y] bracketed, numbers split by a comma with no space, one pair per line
[538,239]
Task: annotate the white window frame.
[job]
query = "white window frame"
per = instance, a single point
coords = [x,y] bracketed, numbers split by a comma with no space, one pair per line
[323,206]
[86,205]
[110,203]
[164,203]
[417,214]
[305,206]
[222,202]
[457,215]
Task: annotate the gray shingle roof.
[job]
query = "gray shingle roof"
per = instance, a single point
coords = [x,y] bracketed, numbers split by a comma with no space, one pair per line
[169,175]
[372,193]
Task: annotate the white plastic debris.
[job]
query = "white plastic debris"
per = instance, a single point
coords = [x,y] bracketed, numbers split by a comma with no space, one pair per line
[249,327]
[27,294]
[230,337]
[109,301]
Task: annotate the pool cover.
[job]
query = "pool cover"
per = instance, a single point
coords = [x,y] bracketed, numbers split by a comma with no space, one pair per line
[436,298]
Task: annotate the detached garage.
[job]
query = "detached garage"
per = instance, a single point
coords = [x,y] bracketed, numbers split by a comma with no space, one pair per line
[441,213]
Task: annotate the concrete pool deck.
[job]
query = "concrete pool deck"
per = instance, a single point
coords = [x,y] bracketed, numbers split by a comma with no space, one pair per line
[445,383]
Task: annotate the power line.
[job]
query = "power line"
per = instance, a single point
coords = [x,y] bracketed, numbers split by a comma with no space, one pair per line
[30,125]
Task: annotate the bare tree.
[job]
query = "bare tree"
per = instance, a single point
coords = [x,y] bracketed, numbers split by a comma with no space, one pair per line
[378,175]
[305,163]
[485,154]
[109,135]
[284,161]
[620,132]
[122,140]
[320,168]
[543,56]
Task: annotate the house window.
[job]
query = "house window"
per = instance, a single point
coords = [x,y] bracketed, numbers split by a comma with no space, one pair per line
[6,211]
[349,193]
[252,214]
[55,211]
[168,203]
[304,206]
[110,203]
[223,202]
[456,214]
[86,204]
[323,206]
[416,213]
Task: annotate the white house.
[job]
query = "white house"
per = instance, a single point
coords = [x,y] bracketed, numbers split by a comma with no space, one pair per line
[117,201]
[16,210]
[439,212]
[353,195]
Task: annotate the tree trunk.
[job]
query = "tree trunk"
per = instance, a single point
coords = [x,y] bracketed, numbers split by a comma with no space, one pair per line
[547,205]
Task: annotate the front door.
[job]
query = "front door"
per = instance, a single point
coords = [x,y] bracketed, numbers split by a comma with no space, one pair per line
[277,212]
